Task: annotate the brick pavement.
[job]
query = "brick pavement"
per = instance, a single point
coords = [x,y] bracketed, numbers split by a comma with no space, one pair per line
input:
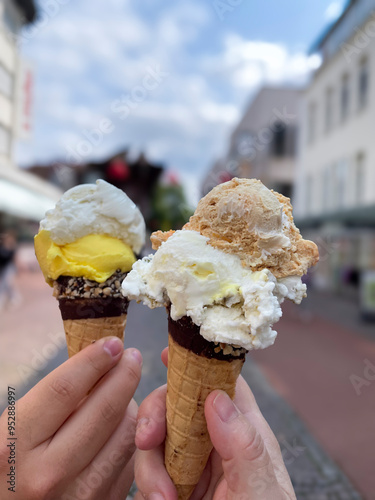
[311,366]
[30,332]
[26,331]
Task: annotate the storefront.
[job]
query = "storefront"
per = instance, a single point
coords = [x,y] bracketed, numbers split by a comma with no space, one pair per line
[347,254]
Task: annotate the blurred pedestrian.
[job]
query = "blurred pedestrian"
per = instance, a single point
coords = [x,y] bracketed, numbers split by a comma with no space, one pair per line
[8,247]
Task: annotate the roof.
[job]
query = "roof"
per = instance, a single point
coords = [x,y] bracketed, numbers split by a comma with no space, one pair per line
[28,8]
[317,45]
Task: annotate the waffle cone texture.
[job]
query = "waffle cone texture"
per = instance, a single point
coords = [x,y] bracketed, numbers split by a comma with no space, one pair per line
[82,332]
[191,378]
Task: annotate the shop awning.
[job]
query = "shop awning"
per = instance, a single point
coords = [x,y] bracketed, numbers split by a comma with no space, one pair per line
[21,202]
[355,217]
[25,195]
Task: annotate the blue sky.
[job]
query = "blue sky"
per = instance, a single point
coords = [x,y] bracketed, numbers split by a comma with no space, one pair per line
[168,77]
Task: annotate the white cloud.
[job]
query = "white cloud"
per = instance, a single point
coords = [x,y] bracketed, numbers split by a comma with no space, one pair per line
[252,63]
[215,112]
[334,10]
[92,53]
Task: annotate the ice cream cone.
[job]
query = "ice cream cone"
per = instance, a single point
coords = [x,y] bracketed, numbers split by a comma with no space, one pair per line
[225,274]
[191,378]
[87,319]
[82,332]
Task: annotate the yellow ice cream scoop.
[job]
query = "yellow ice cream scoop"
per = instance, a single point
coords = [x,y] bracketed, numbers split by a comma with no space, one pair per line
[95,257]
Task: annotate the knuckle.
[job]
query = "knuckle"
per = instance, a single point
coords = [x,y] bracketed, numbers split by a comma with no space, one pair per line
[95,364]
[41,487]
[254,448]
[159,412]
[133,375]
[109,411]
[62,388]
[127,442]
[154,405]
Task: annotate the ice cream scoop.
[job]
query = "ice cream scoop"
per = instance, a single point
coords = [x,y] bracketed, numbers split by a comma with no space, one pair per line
[244,218]
[85,247]
[229,302]
[99,208]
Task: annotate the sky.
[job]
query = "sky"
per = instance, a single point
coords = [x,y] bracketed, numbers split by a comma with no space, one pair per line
[170,78]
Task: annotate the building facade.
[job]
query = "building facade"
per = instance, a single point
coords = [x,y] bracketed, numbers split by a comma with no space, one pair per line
[335,187]
[13,15]
[263,144]
[22,195]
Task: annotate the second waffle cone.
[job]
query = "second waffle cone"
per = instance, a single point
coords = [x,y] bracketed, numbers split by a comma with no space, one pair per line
[191,378]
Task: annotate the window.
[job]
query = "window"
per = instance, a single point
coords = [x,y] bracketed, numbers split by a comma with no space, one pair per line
[12,18]
[345,96]
[4,141]
[342,176]
[311,125]
[6,82]
[327,188]
[359,178]
[363,84]
[279,140]
[329,110]
[309,194]
[338,184]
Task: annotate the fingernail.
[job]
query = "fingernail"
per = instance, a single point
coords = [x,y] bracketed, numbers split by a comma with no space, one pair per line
[137,356]
[225,408]
[142,424]
[113,347]
[155,496]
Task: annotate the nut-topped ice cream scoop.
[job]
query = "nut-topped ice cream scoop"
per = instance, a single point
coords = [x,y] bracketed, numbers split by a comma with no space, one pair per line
[85,247]
[222,279]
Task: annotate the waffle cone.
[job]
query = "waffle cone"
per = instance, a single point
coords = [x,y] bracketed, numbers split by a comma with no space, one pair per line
[191,378]
[82,332]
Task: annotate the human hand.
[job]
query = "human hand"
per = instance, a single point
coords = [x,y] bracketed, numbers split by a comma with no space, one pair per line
[71,445]
[246,462]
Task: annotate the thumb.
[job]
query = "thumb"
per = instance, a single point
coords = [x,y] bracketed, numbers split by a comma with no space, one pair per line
[247,466]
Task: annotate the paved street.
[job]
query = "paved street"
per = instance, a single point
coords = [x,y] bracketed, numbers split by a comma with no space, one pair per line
[306,373]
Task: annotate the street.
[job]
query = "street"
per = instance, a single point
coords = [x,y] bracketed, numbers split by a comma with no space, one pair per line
[302,384]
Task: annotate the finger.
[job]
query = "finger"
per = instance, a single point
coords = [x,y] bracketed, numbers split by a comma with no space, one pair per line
[120,489]
[209,478]
[151,476]
[247,465]
[151,425]
[46,407]
[164,356]
[105,469]
[244,399]
[246,403]
[90,427]
[101,484]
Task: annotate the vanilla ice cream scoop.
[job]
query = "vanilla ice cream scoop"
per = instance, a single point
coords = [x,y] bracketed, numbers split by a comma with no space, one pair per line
[95,209]
[231,304]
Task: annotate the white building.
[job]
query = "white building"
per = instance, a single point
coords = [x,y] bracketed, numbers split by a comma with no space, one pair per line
[335,188]
[21,194]
[263,144]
